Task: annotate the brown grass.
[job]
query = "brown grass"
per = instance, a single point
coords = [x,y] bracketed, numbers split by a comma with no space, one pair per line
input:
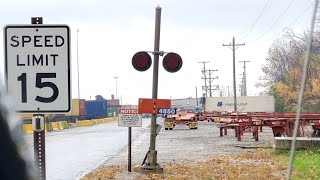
[261,164]
[104,173]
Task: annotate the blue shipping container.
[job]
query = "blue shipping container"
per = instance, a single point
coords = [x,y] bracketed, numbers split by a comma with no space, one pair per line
[96,109]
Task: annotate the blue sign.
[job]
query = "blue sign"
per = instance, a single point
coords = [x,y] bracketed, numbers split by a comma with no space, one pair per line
[166,110]
[219,104]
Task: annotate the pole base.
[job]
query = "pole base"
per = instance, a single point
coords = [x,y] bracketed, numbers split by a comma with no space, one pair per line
[145,169]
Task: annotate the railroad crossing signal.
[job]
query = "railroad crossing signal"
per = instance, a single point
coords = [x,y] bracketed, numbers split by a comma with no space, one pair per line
[172,62]
[141,61]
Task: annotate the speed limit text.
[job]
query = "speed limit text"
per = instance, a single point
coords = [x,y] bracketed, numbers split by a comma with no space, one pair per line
[36,41]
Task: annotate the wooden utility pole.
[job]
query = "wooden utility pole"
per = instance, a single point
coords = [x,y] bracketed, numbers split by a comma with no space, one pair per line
[234,47]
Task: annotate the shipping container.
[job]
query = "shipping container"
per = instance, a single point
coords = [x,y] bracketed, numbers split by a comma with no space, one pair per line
[244,104]
[186,103]
[125,106]
[78,108]
[82,107]
[96,109]
[113,102]
[112,113]
[113,108]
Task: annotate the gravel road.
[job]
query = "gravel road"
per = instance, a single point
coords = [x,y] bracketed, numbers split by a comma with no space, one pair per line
[182,144]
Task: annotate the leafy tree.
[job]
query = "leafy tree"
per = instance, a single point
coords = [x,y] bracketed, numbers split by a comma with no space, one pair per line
[283,71]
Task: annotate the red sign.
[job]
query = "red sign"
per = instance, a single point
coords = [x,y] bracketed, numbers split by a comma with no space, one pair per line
[150,106]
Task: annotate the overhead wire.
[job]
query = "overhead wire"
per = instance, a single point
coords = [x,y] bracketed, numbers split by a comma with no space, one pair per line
[276,20]
[262,11]
[293,22]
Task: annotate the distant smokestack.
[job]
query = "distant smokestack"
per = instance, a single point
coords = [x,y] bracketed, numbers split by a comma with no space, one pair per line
[112,96]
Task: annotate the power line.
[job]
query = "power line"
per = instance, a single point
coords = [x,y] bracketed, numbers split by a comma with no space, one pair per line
[276,20]
[292,22]
[256,20]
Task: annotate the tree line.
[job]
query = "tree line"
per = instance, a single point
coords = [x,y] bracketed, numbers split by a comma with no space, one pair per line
[284,68]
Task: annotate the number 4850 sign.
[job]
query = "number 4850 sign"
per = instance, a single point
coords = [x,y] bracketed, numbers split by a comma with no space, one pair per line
[37,59]
[167,111]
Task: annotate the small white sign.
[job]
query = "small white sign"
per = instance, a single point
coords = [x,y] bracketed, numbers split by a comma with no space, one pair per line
[37,67]
[129,118]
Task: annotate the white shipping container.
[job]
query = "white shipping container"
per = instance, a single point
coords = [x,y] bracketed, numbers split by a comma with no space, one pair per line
[244,104]
[187,103]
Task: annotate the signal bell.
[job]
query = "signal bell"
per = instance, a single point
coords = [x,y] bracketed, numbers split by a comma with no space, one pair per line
[141,61]
[172,62]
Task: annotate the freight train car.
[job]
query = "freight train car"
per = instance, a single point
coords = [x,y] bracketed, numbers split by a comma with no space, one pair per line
[244,104]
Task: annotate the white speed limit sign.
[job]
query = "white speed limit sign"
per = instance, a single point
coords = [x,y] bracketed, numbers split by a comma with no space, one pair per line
[37,65]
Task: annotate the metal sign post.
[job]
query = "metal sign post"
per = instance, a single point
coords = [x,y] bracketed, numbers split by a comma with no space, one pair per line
[129,118]
[129,148]
[39,146]
[39,141]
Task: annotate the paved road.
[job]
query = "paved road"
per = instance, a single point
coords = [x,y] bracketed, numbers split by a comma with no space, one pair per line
[73,152]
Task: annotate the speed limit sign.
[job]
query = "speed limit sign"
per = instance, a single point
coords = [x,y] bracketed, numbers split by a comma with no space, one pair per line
[37,65]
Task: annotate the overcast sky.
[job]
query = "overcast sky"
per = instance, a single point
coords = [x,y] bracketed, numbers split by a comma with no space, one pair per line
[111,32]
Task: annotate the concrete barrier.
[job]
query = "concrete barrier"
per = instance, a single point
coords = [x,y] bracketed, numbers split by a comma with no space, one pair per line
[55,126]
[110,119]
[80,123]
[301,143]
[27,128]
[60,125]
[87,123]
[94,122]
[99,121]
[65,125]
[48,127]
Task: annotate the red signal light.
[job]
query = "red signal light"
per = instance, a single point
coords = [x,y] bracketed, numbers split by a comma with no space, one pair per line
[141,61]
[172,62]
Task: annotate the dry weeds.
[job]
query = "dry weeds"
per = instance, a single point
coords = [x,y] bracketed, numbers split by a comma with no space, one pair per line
[261,164]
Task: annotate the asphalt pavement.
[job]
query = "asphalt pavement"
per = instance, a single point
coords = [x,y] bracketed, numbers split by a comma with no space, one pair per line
[71,153]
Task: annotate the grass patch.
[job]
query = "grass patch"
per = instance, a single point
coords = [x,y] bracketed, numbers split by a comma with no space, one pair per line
[306,163]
